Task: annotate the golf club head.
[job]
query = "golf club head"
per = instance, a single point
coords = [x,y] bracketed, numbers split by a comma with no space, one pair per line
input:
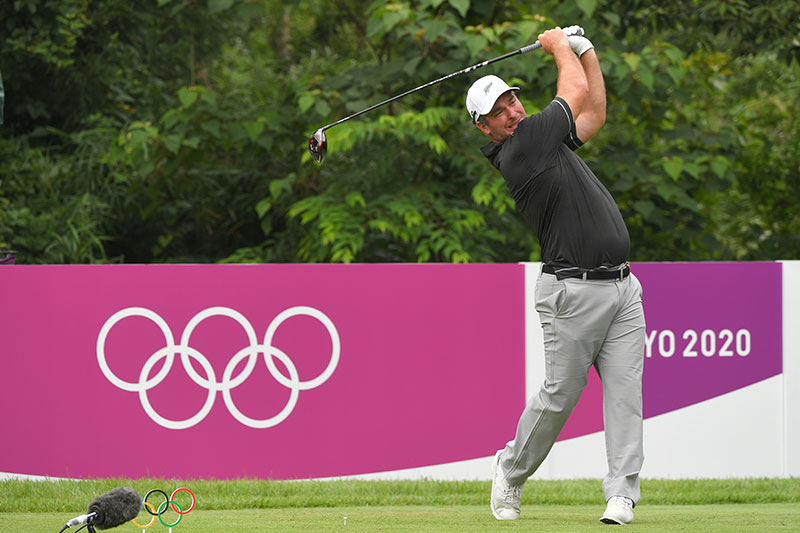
[318,145]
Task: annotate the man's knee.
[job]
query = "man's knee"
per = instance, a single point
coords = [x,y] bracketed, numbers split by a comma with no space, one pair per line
[563,395]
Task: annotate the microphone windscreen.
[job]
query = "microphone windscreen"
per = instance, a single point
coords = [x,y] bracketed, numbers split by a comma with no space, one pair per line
[115,507]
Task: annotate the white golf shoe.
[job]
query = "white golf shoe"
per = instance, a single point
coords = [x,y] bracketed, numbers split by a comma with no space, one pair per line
[505,500]
[619,511]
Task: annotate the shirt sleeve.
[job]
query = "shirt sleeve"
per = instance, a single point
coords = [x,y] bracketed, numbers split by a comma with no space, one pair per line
[571,139]
[542,133]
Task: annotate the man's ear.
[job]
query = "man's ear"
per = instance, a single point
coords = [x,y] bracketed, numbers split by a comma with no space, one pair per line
[483,127]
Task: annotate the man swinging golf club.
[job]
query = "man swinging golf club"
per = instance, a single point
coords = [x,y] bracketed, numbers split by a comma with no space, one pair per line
[589,303]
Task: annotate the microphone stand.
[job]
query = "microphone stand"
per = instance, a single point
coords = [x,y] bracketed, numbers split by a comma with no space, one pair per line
[89,529]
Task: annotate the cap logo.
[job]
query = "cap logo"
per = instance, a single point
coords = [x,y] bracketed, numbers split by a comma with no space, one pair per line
[487,88]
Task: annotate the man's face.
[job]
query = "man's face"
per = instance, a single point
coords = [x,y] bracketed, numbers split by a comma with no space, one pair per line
[502,120]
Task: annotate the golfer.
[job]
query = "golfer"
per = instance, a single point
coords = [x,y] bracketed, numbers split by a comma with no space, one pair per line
[589,303]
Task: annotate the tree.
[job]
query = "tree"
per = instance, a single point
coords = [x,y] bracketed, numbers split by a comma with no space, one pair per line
[175,130]
[77,74]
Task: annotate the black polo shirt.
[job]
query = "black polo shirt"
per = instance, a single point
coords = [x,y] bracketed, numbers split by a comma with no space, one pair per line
[574,216]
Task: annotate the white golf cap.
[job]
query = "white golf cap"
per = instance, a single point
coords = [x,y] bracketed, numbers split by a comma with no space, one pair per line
[483,94]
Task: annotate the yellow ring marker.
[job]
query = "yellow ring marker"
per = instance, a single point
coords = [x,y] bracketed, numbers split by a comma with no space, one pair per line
[152,519]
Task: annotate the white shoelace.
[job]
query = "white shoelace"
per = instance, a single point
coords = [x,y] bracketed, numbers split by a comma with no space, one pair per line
[512,495]
[622,500]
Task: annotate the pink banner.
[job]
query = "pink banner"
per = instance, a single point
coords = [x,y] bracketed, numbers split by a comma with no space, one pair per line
[267,371]
[298,371]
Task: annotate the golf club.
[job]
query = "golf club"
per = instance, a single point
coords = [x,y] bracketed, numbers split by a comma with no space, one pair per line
[318,143]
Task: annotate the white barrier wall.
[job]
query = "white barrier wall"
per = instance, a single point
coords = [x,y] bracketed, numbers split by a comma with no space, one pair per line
[791,368]
[752,431]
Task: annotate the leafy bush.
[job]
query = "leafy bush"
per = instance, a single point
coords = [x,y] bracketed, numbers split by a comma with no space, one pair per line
[175,130]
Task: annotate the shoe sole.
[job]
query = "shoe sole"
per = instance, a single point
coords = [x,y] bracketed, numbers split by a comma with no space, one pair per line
[613,522]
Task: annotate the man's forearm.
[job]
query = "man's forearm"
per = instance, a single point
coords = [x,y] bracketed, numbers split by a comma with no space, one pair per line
[596,100]
[572,81]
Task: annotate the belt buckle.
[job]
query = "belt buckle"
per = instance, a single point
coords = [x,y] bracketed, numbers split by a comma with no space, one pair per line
[622,271]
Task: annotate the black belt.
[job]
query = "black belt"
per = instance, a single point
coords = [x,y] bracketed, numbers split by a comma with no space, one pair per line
[591,274]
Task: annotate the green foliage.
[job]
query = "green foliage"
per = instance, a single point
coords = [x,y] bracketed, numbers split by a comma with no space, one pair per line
[181,175]
[174,130]
[120,72]
[736,27]
[760,217]
[42,214]
[664,151]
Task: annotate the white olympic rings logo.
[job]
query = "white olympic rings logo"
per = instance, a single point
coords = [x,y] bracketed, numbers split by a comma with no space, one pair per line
[228,382]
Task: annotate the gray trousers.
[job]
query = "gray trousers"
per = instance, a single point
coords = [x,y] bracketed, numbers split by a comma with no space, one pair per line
[585,323]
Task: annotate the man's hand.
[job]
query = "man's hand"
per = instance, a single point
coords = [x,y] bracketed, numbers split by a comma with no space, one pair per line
[578,43]
[553,39]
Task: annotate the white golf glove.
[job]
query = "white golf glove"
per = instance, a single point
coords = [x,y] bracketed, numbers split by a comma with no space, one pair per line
[578,43]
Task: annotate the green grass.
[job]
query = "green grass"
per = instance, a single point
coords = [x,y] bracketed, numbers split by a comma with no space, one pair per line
[39,496]
[453,519]
[386,506]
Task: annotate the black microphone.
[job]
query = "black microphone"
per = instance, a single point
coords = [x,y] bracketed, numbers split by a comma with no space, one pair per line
[115,507]
[111,509]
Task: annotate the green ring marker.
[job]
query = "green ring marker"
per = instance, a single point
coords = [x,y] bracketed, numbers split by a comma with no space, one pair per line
[164,505]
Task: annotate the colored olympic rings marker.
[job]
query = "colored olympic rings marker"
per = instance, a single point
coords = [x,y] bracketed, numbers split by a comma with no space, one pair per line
[152,518]
[165,505]
[172,497]
[151,491]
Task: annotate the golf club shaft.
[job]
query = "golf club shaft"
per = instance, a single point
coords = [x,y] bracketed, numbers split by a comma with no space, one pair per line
[522,50]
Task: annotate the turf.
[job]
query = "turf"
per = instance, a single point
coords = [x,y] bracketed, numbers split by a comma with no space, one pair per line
[575,505]
[38,496]
[446,519]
